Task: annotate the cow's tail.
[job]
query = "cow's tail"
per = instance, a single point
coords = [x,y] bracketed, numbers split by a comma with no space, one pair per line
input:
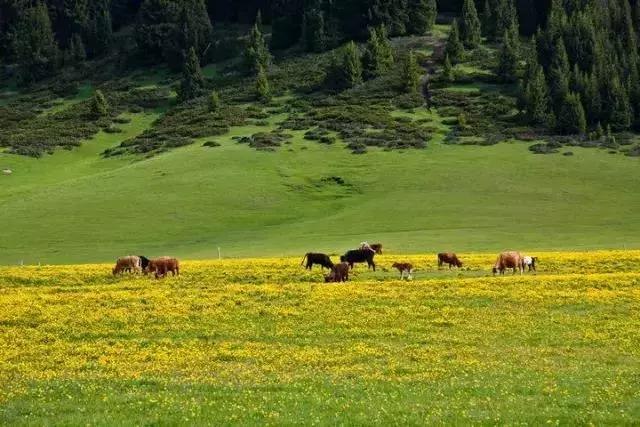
[303,258]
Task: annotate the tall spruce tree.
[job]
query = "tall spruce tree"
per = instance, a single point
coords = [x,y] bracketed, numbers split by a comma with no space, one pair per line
[377,58]
[346,69]
[36,49]
[536,98]
[386,51]
[99,33]
[422,16]
[99,107]
[192,84]
[447,70]
[263,91]
[571,118]
[314,29]
[559,75]
[454,48]
[256,53]
[411,74]
[470,28]
[508,59]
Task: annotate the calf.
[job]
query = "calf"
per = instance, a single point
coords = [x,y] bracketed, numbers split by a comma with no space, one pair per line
[529,262]
[315,258]
[339,273]
[448,258]
[403,268]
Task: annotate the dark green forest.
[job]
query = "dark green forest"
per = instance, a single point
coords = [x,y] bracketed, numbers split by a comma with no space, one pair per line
[567,71]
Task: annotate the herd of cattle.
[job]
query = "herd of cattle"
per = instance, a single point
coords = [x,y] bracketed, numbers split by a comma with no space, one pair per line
[160,267]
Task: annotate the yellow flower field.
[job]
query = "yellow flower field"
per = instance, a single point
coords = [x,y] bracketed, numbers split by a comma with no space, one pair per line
[265,341]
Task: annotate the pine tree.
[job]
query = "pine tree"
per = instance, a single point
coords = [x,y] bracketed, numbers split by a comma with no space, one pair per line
[422,17]
[346,69]
[454,49]
[470,29]
[263,92]
[36,49]
[386,51]
[411,74]
[313,30]
[571,118]
[508,60]
[99,106]
[536,98]
[488,21]
[372,57]
[76,52]
[214,101]
[592,99]
[447,70]
[256,54]
[192,84]
[559,75]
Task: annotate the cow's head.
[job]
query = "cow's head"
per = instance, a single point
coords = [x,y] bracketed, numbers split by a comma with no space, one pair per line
[495,270]
[343,258]
[458,264]
[329,277]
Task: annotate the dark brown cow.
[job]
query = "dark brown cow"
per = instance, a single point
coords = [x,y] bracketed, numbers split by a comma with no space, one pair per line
[448,258]
[403,268]
[339,273]
[509,259]
[315,258]
[161,266]
[377,248]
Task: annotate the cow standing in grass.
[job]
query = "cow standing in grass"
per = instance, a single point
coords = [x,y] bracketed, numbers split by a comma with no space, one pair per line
[509,259]
[404,268]
[316,258]
[128,264]
[163,265]
[530,263]
[448,258]
[339,273]
[359,256]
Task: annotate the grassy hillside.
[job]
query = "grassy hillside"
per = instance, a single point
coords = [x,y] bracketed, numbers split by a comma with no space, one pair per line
[75,206]
[419,186]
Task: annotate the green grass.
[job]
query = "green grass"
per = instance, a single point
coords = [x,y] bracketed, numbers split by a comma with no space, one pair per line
[77,207]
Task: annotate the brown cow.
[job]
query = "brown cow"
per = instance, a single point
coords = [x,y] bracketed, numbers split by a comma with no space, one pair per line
[377,248]
[129,264]
[161,266]
[403,267]
[509,259]
[339,273]
[448,258]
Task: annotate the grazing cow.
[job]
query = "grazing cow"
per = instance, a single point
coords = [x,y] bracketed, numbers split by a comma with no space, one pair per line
[339,273]
[403,268]
[161,266]
[315,258]
[509,259]
[448,258]
[144,262]
[129,264]
[358,256]
[377,248]
[530,262]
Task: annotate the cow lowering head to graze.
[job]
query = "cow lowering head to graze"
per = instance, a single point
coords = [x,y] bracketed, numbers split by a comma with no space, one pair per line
[317,258]
[530,262]
[509,259]
[163,265]
[339,273]
[359,256]
[448,258]
[403,268]
[129,264]
[377,248]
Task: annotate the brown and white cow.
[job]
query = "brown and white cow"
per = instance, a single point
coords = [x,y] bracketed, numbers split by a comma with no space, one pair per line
[404,268]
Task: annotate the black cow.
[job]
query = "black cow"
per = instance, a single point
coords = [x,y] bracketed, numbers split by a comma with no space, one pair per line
[320,259]
[358,256]
[144,261]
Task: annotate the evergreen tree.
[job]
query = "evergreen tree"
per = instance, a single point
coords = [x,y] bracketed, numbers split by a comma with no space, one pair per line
[422,17]
[536,98]
[314,30]
[470,25]
[76,52]
[372,57]
[488,21]
[36,50]
[454,49]
[386,51]
[99,31]
[410,74]
[213,101]
[286,27]
[508,60]
[505,17]
[256,54]
[592,99]
[346,69]
[447,70]
[192,84]
[571,118]
[263,92]
[99,106]
[559,75]
[155,26]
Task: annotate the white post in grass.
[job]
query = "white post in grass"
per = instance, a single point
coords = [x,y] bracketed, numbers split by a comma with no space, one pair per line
[219,253]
